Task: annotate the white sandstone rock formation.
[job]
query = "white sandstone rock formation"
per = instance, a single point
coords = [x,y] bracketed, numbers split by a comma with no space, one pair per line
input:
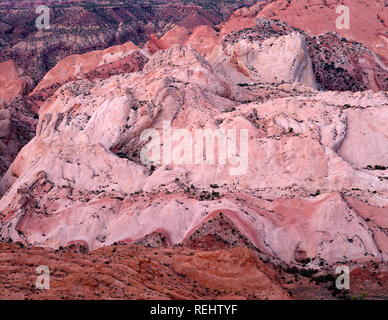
[305,193]
[275,60]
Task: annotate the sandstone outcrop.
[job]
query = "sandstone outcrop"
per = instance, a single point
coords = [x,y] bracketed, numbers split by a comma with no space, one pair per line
[18,119]
[77,27]
[124,272]
[368,21]
[81,178]
[13,82]
[133,272]
[275,60]
[327,61]
[99,64]
[295,183]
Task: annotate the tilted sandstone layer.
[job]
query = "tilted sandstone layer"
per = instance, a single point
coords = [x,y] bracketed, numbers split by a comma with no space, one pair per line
[311,192]
[275,60]
[368,24]
[133,272]
[250,52]
[368,20]
[95,64]
[19,112]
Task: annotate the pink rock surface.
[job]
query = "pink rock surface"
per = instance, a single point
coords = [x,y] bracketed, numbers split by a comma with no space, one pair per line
[314,186]
[342,60]
[81,178]
[368,20]
[12,81]
[87,65]
[158,274]
[275,60]
[18,119]
[306,191]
